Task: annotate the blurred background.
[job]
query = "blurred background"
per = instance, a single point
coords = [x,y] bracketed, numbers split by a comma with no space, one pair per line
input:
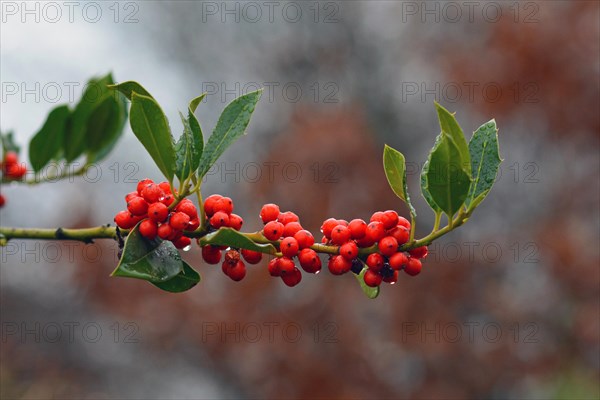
[507,307]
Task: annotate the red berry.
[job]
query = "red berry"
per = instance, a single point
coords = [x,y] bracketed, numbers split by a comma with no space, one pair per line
[193,224]
[137,206]
[358,228]
[142,184]
[393,278]
[372,279]
[211,254]
[404,222]
[175,235]
[340,235]
[238,271]
[148,229]
[158,212]
[168,200]
[338,265]
[413,266]
[365,242]
[2,201]
[152,193]
[131,195]
[269,212]
[375,231]
[418,252]
[252,257]
[388,246]
[286,265]
[305,238]
[165,187]
[16,171]
[274,268]
[124,220]
[401,234]
[179,221]
[209,204]
[287,217]
[219,219]
[377,216]
[224,204]
[289,247]
[309,261]
[375,262]
[10,158]
[292,278]
[235,222]
[390,219]
[398,260]
[183,242]
[291,229]
[349,251]
[165,231]
[342,222]
[187,207]
[328,226]
[273,230]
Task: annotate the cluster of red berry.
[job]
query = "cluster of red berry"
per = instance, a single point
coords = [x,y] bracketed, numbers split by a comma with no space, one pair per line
[11,170]
[150,204]
[219,214]
[388,231]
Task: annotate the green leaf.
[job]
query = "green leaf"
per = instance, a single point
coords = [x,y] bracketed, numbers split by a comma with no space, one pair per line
[485,161]
[231,125]
[425,183]
[185,280]
[190,145]
[447,182]
[451,128]
[151,260]
[95,94]
[127,88]
[47,142]
[370,292]
[150,126]
[394,166]
[105,126]
[232,238]
[8,143]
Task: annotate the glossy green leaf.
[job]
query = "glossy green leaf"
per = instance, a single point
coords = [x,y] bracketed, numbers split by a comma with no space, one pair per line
[370,292]
[150,126]
[232,238]
[185,280]
[96,93]
[191,143]
[231,125]
[47,142]
[446,181]
[105,126]
[451,128]
[151,260]
[425,183]
[127,88]
[485,161]
[394,166]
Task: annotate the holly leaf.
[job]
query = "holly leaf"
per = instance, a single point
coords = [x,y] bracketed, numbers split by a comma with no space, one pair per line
[151,260]
[127,88]
[185,280]
[485,161]
[394,166]
[150,126]
[232,238]
[231,125]
[47,142]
